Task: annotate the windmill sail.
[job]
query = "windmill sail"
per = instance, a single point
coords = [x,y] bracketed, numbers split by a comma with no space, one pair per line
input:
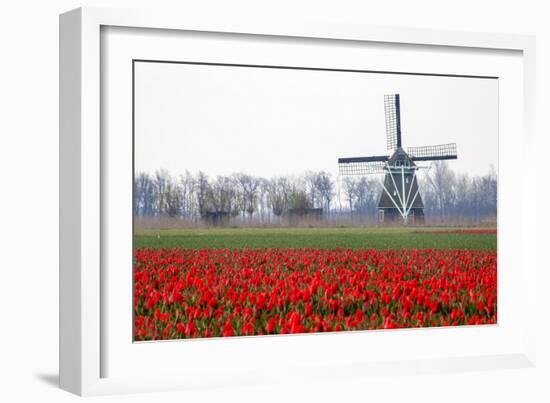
[392,111]
[362,165]
[433,153]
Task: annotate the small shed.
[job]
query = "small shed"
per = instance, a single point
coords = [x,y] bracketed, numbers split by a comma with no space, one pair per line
[216,218]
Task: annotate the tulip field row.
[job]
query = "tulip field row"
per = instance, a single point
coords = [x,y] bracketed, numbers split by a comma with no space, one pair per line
[219,292]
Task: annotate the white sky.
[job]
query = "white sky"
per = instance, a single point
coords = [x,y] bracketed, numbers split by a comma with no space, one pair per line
[269,122]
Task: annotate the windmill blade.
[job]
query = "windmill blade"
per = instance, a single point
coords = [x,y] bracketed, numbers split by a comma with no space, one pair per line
[392,111]
[433,153]
[362,165]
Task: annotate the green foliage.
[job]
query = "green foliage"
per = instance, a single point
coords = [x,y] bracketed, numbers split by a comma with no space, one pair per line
[323,238]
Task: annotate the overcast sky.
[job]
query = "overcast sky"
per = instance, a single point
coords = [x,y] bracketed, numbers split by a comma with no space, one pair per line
[270,122]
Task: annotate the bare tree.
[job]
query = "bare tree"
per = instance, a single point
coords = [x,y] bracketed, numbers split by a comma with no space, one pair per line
[463,190]
[249,187]
[222,195]
[144,195]
[349,185]
[442,181]
[278,194]
[309,181]
[367,193]
[299,200]
[173,198]
[325,189]
[162,185]
[187,187]
[202,190]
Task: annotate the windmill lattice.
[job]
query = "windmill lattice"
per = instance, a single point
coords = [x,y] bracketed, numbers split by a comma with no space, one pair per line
[400,197]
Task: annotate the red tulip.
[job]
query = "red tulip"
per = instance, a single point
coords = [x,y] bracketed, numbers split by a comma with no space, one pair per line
[228,330]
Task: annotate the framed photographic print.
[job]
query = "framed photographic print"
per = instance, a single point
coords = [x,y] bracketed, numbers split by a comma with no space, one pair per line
[238,197]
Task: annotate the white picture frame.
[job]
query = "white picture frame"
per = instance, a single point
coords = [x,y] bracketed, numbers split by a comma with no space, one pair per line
[83,173]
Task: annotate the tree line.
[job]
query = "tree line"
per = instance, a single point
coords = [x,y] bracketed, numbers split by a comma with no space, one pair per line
[248,198]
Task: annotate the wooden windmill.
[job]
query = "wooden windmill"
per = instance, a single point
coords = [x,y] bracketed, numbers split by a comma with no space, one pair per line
[400,198]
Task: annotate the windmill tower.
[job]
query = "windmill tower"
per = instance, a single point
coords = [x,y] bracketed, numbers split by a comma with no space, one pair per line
[400,197]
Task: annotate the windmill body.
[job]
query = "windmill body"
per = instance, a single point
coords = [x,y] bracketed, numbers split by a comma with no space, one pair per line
[400,198]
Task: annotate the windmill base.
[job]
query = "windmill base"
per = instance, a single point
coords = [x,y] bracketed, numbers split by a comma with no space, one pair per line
[392,215]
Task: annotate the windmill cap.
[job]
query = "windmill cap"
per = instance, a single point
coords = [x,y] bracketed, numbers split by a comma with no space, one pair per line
[400,154]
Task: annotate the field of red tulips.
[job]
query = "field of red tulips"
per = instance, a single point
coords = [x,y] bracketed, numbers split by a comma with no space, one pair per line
[186,293]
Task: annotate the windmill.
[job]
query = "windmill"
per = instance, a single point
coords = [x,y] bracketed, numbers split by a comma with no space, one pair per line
[400,197]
